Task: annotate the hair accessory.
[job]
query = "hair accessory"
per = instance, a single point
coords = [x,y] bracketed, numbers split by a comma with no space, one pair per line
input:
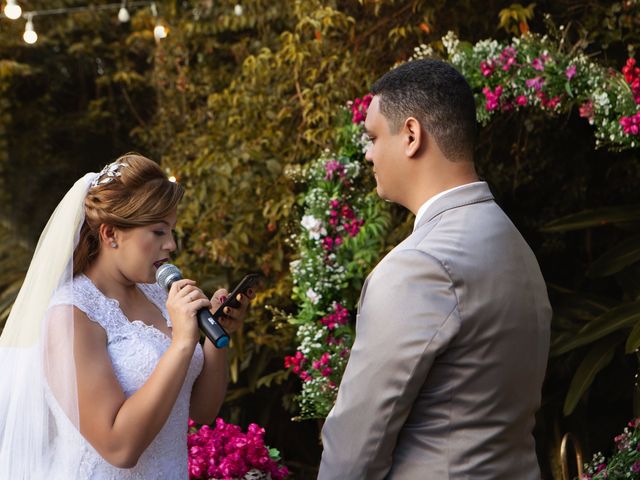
[108,173]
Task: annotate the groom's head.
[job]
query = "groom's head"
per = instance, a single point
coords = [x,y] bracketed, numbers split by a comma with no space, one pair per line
[438,96]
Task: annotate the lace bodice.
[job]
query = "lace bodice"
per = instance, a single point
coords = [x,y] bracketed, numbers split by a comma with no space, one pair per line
[135,349]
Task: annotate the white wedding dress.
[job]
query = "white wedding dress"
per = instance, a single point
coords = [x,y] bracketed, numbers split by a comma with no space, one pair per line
[135,349]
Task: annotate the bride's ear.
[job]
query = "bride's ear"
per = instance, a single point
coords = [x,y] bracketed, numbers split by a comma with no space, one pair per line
[108,235]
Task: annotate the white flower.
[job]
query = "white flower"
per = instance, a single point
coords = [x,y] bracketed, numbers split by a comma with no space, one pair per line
[422,51]
[450,41]
[313,296]
[294,265]
[314,226]
[601,101]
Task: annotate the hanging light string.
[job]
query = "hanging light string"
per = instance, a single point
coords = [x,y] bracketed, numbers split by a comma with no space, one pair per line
[13,11]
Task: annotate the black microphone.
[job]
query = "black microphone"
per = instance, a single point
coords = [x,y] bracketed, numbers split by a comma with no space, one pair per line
[166,275]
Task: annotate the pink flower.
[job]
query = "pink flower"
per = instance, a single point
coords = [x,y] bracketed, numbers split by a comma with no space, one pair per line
[507,106]
[586,111]
[631,125]
[632,77]
[493,97]
[535,83]
[553,103]
[359,108]
[324,360]
[570,72]
[537,64]
[333,167]
[507,58]
[327,243]
[486,68]
[521,100]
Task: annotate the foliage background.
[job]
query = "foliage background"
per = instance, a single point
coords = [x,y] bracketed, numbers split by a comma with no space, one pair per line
[230,104]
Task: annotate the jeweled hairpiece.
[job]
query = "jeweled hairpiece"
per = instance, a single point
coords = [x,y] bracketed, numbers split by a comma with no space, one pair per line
[108,173]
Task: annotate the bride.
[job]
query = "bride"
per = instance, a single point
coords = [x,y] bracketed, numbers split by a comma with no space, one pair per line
[101,368]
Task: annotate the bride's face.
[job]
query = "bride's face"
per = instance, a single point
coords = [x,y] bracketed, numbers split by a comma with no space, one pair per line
[142,250]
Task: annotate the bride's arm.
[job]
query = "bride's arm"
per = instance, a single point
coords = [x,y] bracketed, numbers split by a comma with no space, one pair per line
[121,428]
[210,387]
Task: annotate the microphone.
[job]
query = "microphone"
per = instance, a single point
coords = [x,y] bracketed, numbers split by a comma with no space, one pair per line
[165,276]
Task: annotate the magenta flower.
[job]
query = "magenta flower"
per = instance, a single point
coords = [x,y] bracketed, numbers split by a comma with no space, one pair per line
[538,64]
[631,125]
[226,452]
[507,58]
[632,77]
[333,167]
[552,103]
[493,97]
[359,108]
[570,72]
[521,100]
[340,316]
[586,111]
[536,83]
[487,68]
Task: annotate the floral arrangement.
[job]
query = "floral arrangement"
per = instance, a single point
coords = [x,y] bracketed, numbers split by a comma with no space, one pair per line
[225,452]
[337,247]
[624,461]
[534,71]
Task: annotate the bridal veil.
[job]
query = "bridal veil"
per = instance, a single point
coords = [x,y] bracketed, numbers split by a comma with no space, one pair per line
[38,394]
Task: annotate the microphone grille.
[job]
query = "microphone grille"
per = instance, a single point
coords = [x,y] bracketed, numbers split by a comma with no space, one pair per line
[167,274]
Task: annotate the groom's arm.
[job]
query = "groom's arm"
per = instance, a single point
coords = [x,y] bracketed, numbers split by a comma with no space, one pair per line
[407,317]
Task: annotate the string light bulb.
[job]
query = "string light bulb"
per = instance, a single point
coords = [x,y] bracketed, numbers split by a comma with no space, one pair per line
[12,10]
[29,36]
[159,31]
[123,13]
[238,10]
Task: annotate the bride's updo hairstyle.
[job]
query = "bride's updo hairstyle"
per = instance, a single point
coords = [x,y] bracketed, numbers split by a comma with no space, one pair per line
[131,192]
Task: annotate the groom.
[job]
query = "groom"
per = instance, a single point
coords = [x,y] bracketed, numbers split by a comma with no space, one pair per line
[452,333]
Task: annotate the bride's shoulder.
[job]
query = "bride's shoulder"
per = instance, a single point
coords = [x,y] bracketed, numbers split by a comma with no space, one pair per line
[77,292]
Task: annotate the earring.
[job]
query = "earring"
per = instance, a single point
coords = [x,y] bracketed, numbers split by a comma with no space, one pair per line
[114,244]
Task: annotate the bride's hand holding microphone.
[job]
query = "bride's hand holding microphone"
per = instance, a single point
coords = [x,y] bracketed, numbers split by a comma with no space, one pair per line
[183,302]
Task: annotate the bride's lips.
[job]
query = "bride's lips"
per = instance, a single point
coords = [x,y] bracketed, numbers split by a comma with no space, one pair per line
[160,262]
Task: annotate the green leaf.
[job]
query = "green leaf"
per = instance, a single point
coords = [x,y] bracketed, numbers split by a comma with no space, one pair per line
[621,317]
[598,357]
[633,340]
[594,218]
[619,257]
[567,87]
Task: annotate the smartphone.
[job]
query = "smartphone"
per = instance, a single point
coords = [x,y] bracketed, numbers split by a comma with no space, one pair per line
[249,281]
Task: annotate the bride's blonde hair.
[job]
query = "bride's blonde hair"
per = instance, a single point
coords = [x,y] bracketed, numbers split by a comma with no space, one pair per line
[131,192]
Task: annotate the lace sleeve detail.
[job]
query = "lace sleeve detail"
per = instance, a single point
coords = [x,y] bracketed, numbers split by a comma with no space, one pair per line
[82,294]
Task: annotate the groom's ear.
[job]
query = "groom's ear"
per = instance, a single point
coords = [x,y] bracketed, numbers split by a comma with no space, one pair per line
[413,137]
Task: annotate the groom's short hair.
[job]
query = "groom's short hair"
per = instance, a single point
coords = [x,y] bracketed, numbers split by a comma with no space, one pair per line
[438,96]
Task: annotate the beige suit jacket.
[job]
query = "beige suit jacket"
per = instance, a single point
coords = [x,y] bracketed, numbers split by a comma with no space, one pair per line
[451,346]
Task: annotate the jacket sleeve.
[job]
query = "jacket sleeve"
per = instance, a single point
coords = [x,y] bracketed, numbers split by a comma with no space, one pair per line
[408,315]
